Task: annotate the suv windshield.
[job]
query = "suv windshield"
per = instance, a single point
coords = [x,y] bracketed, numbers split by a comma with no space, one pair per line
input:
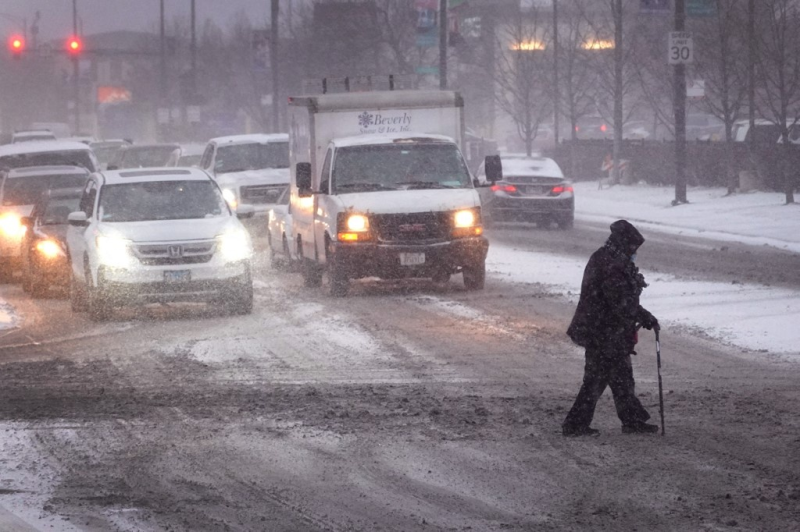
[27,190]
[58,209]
[51,158]
[399,166]
[146,157]
[242,157]
[161,200]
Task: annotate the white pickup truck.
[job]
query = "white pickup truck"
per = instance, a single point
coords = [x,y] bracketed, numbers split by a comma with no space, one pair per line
[379,188]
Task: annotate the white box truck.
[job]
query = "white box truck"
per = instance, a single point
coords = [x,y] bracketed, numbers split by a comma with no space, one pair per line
[379,188]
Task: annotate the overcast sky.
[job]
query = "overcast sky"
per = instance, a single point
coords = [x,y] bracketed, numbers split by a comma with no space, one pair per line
[106,15]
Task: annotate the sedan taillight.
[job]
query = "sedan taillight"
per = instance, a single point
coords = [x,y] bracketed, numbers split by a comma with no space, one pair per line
[560,189]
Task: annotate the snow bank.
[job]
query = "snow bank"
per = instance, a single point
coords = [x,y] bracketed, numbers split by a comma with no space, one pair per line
[756,218]
[748,316]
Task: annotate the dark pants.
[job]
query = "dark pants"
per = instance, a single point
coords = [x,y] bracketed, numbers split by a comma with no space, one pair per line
[606,367]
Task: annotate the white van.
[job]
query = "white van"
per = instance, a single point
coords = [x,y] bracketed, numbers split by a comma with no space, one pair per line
[380,188]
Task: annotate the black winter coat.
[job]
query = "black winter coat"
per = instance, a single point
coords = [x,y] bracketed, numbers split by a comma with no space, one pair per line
[608,310]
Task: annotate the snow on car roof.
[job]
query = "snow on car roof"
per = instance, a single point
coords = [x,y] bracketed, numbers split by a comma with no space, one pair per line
[394,138]
[253,138]
[43,146]
[46,170]
[113,177]
[530,166]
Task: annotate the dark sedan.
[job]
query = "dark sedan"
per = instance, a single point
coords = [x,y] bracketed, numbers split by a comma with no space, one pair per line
[44,251]
[533,189]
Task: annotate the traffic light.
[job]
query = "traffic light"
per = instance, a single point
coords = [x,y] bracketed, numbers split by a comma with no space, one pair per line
[16,44]
[74,46]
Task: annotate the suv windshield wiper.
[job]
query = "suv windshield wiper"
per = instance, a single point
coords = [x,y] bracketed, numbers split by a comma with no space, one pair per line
[426,184]
[367,186]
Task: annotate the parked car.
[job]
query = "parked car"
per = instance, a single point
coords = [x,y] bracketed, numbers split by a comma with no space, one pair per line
[594,127]
[47,153]
[533,189]
[105,150]
[157,235]
[44,246]
[20,189]
[32,135]
[144,156]
[280,236]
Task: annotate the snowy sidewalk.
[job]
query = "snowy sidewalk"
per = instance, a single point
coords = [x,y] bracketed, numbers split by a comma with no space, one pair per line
[756,218]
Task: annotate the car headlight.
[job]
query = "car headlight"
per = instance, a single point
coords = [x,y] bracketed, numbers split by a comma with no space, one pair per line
[230,197]
[11,225]
[113,251]
[465,218]
[49,249]
[357,223]
[235,245]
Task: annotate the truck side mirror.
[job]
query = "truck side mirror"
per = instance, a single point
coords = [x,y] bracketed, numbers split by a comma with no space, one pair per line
[494,169]
[303,179]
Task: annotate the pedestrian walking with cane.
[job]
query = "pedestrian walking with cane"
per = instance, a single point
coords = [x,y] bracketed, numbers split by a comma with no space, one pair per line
[605,324]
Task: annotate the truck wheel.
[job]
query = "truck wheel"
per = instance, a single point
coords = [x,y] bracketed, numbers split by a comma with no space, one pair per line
[475,276]
[338,283]
[99,308]
[37,287]
[312,274]
[77,297]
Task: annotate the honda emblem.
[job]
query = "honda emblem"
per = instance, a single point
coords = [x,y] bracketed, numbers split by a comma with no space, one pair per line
[175,252]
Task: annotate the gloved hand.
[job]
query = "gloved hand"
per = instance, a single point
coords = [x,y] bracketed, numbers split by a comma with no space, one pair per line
[650,322]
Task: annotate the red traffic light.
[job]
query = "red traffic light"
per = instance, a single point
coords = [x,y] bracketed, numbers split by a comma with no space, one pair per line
[16,44]
[74,45]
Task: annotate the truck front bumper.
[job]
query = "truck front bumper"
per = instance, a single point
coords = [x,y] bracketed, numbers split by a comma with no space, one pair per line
[366,259]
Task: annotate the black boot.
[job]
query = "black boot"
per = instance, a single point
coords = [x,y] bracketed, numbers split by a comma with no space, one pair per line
[569,431]
[640,428]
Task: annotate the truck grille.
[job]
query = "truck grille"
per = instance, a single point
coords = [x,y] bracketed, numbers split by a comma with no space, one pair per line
[422,227]
[173,253]
[261,194]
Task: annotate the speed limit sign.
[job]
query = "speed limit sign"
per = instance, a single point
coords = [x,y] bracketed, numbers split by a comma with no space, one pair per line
[681,48]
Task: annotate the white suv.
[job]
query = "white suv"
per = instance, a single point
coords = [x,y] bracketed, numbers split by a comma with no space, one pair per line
[157,235]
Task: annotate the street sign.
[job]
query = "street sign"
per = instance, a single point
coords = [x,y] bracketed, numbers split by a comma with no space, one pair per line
[681,48]
[662,7]
[428,70]
[701,8]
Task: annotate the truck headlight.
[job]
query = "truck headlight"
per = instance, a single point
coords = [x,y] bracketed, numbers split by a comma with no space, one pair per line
[464,219]
[11,225]
[235,245]
[113,251]
[357,223]
[49,249]
[230,197]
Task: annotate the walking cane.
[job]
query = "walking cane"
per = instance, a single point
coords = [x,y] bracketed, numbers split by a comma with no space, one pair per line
[660,386]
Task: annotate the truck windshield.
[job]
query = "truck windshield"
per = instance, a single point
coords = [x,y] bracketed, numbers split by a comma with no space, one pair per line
[399,167]
[161,200]
[241,157]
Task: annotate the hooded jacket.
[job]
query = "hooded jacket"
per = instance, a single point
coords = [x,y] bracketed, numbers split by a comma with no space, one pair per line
[608,309]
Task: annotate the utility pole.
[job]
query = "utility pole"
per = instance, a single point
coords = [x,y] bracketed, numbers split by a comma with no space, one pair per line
[274,60]
[193,17]
[76,71]
[443,44]
[751,67]
[618,87]
[556,99]
[163,53]
[680,113]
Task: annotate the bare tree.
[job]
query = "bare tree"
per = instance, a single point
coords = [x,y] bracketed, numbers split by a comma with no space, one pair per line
[779,74]
[524,72]
[578,91]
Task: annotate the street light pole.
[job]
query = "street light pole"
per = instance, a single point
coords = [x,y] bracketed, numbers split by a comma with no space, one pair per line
[556,99]
[76,71]
[274,59]
[618,87]
[680,113]
[751,67]
[443,44]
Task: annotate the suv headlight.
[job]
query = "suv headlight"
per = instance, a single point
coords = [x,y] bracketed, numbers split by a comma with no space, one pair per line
[465,218]
[11,225]
[49,249]
[235,245]
[357,223]
[113,251]
[230,197]
[467,222]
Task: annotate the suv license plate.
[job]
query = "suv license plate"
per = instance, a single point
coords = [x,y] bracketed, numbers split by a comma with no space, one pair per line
[177,276]
[412,259]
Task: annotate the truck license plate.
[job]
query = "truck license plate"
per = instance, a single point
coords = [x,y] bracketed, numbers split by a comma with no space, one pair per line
[412,259]
[177,276]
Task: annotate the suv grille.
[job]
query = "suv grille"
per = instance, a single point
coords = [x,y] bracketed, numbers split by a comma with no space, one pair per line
[418,227]
[196,252]
[261,194]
